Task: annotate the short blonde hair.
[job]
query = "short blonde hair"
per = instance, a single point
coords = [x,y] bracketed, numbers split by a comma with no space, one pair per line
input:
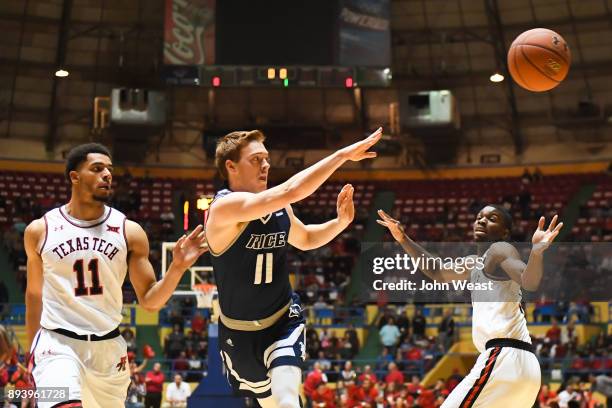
[230,146]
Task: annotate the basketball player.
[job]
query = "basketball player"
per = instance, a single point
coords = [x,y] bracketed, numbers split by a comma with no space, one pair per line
[261,329]
[507,372]
[78,256]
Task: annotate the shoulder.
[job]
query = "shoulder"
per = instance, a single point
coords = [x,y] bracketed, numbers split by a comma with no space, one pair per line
[132,227]
[502,250]
[36,228]
[134,233]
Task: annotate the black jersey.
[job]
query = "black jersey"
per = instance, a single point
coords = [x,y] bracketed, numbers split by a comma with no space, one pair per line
[251,274]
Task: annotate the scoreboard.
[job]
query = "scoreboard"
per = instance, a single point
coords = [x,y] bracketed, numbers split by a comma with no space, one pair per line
[274,43]
[224,76]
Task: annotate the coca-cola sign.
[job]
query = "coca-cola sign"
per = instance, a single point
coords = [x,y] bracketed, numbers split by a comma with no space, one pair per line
[189,32]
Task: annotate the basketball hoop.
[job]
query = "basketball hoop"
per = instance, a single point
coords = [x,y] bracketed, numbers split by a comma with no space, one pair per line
[204,295]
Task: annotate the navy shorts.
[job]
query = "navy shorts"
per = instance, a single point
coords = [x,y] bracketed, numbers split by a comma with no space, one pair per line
[248,356]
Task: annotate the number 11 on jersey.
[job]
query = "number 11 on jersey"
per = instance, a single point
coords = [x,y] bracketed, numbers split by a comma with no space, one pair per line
[268,261]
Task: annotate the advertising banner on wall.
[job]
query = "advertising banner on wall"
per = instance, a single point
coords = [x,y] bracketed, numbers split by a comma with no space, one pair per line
[189,32]
[365,33]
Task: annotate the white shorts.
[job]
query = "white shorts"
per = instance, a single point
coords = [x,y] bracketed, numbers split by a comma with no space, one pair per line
[95,372]
[503,377]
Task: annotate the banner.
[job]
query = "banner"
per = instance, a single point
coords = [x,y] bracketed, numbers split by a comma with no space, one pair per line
[189,32]
[365,33]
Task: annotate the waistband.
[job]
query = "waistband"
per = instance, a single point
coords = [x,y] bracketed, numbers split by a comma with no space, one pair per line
[514,343]
[88,337]
[253,325]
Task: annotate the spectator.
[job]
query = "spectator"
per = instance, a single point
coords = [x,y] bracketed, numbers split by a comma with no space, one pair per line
[175,342]
[446,330]
[136,392]
[414,388]
[177,392]
[389,335]
[128,336]
[568,395]
[546,396]
[554,333]
[394,375]
[367,373]
[369,392]
[323,397]
[353,338]
[348,374]
[313,379]
[154,381]
[195,368]
[603,385]
[324,363]
[198,323]
[418,324]
[181,364]
[384,359]
[403,324]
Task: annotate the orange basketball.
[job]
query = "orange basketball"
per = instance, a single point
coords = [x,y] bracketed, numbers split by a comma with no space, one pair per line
[539,59]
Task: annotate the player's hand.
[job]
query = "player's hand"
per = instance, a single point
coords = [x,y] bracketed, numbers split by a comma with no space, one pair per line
[345,207]
[542,238]
[189,248]
[393,225]
[359,151]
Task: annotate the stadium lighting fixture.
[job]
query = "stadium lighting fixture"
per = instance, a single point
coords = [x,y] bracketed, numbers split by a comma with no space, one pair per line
[496,77]
[61,73]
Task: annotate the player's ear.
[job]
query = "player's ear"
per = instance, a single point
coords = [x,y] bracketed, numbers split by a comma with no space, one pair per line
[74,177]
[230,166]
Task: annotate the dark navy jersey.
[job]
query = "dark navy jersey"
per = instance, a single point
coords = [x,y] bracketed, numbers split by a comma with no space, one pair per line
[251,274]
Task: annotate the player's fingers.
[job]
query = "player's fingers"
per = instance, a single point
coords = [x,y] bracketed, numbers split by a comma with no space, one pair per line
[386,216]
[383,223]
[196,231]
[553,223]
[180,241]
[369,155]
[558,228]
[541,223]
[375,134]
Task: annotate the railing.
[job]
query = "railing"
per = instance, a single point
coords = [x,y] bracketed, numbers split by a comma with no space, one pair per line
[379,367]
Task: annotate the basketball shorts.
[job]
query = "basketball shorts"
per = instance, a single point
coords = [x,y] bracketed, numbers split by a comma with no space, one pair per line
[93,372]
[248,356]
[506,375]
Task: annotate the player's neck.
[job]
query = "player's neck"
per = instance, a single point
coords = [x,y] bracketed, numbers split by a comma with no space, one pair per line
[237,186]
[481,247]
[85,211]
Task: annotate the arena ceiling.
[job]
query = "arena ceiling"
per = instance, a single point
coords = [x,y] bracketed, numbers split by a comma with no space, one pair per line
[436,44]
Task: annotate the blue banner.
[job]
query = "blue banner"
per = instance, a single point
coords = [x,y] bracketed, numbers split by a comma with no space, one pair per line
[365,33]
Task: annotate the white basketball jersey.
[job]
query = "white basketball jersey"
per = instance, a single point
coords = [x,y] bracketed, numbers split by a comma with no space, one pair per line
[84,266]
[503,318]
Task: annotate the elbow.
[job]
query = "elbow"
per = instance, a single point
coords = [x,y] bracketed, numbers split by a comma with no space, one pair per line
[149,307]
[530,286]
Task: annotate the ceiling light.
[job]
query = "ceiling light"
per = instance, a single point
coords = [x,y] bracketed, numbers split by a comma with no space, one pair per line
[61,73]
[496,77]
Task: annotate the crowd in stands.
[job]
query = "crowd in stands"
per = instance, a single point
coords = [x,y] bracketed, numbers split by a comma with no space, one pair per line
[363,387]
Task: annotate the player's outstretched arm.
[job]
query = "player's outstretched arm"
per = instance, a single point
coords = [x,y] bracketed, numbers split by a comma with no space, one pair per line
[527,275]
[243,206]
[306,237]
[152,294]
[415,251]
[32,239]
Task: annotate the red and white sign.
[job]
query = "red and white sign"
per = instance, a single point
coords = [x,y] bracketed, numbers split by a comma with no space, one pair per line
[189,32]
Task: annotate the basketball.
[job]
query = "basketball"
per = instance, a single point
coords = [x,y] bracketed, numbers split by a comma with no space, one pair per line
[539,59]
